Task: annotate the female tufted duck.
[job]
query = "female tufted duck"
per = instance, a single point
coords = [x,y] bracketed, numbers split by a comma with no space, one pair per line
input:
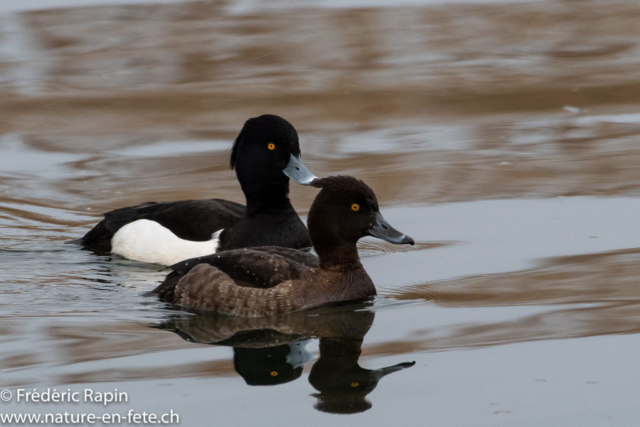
[267,281]
[265,155]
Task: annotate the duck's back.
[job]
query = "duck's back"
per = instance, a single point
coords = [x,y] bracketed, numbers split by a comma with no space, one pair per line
[194,220]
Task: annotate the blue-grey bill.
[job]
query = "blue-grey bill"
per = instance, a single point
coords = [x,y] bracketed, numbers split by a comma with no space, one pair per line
[383,230]
[297,171]
[298,354]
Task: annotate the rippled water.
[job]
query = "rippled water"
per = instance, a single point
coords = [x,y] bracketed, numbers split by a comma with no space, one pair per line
[502,136]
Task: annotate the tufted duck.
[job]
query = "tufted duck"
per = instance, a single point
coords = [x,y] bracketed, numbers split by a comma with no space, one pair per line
[265,155]
[267,281]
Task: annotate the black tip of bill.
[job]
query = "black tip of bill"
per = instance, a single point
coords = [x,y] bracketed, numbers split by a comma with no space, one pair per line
[297,171]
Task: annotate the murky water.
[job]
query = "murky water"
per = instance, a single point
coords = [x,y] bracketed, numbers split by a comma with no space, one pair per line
[502,136]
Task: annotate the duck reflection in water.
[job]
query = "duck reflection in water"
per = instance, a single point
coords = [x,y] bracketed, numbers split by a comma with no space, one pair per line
[271,351]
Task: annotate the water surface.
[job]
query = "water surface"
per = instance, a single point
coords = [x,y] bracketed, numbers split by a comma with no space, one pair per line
[502,136]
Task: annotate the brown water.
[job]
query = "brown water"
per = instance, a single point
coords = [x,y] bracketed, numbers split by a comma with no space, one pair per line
[502,136]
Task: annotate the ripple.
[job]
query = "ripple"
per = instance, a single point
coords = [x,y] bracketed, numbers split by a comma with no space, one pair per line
[373,248]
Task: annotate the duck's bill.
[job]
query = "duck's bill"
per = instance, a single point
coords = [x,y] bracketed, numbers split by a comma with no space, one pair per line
[297,171]
[379,373]
[383,230]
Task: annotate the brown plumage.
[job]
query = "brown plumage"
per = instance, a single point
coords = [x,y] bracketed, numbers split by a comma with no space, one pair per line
[271,281]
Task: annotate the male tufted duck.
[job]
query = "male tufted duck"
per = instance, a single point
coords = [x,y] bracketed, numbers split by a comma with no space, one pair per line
[267,281]
[265,155]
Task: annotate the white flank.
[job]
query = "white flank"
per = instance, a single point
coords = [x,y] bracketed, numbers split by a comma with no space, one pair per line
[148,241]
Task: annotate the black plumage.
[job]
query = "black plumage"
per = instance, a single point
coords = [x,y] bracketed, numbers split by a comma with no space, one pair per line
[259,154]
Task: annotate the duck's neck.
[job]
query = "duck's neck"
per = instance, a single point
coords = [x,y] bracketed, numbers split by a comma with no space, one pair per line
[343,350]
[346,278]
[341,257]
[267,198]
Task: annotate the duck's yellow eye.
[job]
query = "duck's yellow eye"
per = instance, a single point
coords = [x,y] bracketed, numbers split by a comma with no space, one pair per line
[355,207]
[272,146]
[354,385]
[274,373]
